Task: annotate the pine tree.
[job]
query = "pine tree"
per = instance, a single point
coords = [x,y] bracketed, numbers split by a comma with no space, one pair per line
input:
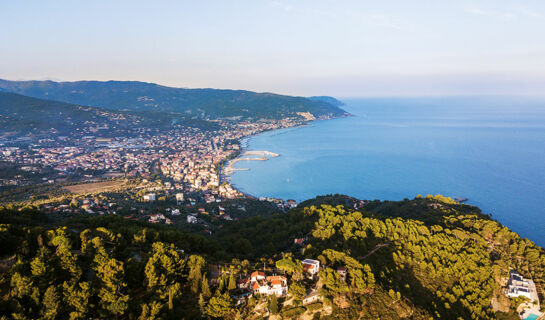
[232,283]
[50,303]
[273,305]
[202,303]
[219,305]
[205,288]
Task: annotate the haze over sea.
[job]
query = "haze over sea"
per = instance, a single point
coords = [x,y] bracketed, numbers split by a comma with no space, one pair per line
[490,150]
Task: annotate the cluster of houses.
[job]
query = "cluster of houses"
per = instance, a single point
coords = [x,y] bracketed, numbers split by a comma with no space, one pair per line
[158,218]
[258,283]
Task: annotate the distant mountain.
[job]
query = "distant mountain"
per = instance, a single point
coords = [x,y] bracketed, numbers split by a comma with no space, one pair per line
[24,114]
[327,99]
[201,103]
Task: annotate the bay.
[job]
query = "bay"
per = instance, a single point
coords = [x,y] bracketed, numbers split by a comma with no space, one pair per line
[488,149]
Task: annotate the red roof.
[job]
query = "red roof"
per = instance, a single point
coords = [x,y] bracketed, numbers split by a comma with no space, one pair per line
[255,286]
[257,273]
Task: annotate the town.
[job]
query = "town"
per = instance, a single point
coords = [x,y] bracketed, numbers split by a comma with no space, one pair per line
[145,173]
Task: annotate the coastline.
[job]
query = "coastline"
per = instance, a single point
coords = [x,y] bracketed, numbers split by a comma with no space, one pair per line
[244,148]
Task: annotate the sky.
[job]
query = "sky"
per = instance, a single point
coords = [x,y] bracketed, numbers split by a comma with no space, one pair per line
[300,47]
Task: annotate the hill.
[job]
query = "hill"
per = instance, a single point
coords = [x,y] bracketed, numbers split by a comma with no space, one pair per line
[452,266]
[201,103]
[23,114]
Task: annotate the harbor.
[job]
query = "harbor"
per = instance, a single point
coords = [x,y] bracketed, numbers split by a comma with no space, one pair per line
[248,156]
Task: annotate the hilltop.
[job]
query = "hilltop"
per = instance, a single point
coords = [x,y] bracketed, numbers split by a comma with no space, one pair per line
[200,103]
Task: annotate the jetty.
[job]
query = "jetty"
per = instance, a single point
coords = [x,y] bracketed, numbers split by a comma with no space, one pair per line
[261,156]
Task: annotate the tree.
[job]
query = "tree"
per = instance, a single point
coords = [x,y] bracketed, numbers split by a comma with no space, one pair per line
[112,294]
[273,304]
[290,266]
[297,290]
[332,281]
[205,287]
[196,264]
[164,271]
[77,299]
[232,283]
[50,303]
[219,305]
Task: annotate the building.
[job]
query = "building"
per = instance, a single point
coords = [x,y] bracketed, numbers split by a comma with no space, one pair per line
[312,297]
[149,197]
[290,203]
[179,197]
[156,218]
[518,286]
[310,266]
[191,219]
[258,283]
[342,271]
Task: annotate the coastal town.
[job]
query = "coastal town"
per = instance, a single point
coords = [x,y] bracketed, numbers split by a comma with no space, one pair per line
[180,168]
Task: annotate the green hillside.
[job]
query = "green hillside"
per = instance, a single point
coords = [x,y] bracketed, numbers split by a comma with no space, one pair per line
[23,114]
[449,267]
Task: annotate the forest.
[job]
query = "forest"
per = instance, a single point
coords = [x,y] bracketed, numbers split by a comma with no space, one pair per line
[425,258]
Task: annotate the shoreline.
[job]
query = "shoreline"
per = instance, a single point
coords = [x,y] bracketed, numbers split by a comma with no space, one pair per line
[226,177]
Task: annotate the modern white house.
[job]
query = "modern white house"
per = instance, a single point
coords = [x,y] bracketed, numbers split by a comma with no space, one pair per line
[310,266]
[518,286]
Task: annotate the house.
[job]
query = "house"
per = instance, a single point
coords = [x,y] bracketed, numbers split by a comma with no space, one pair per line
[191,219]
[179,197]
[243,283]
[312,297]
[342,271]
[149,197]
[156,218]
[256,276]
[266,285]
[310,266]
[518,286]
[175,212]
[290,203]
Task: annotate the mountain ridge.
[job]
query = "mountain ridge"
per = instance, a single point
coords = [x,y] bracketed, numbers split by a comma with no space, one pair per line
[205,103]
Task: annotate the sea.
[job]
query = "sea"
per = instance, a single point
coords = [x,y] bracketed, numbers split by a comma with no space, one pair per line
[490,150]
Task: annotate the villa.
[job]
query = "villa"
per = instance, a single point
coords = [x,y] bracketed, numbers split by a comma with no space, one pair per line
[266,285]
[519,286]
[310,266]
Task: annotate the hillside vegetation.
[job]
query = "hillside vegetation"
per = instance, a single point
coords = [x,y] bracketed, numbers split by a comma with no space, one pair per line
[202,103]
[449,266]
[25,114]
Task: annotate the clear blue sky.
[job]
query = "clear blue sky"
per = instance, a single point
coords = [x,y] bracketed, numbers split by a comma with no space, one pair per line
[304,47]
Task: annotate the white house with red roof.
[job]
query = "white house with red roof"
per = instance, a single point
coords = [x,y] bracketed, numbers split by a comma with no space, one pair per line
[266,285]
[310,266]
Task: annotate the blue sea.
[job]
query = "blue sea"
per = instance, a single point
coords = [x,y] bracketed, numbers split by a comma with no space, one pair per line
[490,150]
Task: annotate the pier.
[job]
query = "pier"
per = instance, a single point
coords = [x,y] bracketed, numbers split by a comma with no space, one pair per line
[262,156]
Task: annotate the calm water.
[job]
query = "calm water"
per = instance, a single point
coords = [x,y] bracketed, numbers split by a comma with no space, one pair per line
[490,150]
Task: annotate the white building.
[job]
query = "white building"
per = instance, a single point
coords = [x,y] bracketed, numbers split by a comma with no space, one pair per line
[191,219]
[259,283]
[519,286]
[311,266]
[179,197]
[149,197]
